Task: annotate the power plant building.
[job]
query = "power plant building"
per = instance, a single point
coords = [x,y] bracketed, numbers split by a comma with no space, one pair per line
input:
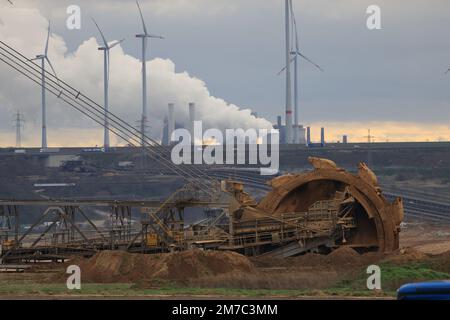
[301,131]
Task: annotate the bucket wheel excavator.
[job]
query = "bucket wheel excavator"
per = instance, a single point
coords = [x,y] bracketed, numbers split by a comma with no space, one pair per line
[318,210]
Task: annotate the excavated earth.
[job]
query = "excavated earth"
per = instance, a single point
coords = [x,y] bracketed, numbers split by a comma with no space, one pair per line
[119,266]
[223,269]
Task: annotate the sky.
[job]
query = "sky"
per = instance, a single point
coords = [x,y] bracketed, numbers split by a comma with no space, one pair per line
[225,54]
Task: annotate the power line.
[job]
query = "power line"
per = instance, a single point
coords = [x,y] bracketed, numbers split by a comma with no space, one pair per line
[94,111]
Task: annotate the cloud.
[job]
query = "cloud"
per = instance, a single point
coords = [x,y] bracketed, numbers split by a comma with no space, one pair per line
[393,76]
[83,69]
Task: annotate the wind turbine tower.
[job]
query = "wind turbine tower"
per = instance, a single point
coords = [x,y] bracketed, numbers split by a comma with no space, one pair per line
[288,135]
[144,36]
[105,48]
[295,53]
[43,58]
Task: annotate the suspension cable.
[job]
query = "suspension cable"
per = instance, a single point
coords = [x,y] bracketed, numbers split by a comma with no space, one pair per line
[97,113]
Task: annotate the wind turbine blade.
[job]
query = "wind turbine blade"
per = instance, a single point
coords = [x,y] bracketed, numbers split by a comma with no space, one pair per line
[101,34]
[296,34]
[282,70]
[310,61]
[48,36]
[142,18]
[10,2]
[294,24]
[51,66]
[156,37]
[37,58]
[115,43]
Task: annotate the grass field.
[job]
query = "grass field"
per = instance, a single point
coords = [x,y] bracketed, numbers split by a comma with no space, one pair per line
[128,290]
[392,277]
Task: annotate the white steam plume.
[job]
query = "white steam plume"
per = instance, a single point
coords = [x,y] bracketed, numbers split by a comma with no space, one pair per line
[25,29]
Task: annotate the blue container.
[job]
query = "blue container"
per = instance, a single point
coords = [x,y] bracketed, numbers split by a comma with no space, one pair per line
[432,290]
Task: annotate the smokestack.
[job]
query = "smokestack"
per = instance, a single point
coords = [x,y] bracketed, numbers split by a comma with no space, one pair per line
[322,136]
[344,139]
[171,122]
[297,133]
[288,135]
[279,122]
[191,120]
[308,136]
[165,137]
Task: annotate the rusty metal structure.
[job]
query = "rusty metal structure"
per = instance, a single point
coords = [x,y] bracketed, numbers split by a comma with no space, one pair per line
[363,217]
[318,210]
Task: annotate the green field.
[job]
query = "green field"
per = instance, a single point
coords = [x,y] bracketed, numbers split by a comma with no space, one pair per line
[393,276]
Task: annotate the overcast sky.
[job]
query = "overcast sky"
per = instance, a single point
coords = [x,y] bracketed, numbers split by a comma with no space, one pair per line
[391,80]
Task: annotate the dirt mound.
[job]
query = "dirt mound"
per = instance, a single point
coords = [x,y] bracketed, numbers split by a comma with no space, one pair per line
[344,255]
[311,259]
[341,256]
[117,266]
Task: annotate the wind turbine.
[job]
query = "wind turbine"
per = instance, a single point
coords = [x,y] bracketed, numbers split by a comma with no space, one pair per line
[43,58]
[144,36]
[105,48]
[295,54]
[288,131]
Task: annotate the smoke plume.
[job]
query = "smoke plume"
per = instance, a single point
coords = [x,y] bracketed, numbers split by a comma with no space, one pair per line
[25,30]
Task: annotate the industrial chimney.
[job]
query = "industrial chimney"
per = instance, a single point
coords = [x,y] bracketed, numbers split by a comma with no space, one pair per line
[322,136]
[344,139]
[192,120]
[171,122]
[308,136]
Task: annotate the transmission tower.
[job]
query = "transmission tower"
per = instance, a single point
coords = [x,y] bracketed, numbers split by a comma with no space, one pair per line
[370,140]
[19,121]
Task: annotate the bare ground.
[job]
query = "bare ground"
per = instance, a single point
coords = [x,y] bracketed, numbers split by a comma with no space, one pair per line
[312,274]
[431,239]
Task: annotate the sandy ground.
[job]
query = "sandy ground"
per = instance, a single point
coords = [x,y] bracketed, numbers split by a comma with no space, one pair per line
[430,239]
